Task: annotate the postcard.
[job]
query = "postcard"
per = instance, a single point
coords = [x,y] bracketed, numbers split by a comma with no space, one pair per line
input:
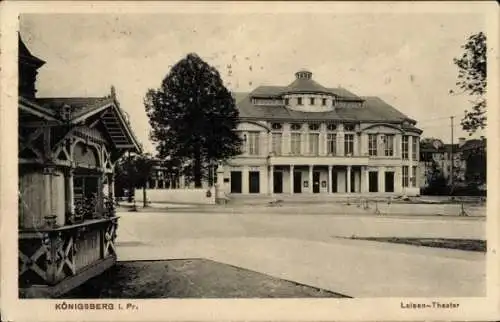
[226,161]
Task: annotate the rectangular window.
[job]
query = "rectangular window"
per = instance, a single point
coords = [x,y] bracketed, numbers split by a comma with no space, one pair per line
[253,143]
[295,141]
[299,100]
[349,144]
[389,145]
[414,176]
[414,147]
[313,143]
[405,176]
[287,101]
[277,137]
[323,101]
[312,100]
[372,144]
[405,147]
[332,143]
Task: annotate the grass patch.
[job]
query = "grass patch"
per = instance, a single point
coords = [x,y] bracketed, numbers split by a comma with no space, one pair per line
[475,245]
[190,278]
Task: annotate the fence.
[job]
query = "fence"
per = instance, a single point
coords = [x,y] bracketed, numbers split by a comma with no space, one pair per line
[389,207]
[181,196]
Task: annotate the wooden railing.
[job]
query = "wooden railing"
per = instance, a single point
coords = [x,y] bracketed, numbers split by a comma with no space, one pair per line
[51,255]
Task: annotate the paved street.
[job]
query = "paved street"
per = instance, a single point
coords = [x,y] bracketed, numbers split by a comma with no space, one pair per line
[307,249]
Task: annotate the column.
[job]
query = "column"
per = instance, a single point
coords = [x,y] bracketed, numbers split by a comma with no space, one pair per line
[410,161]
[269,143]
[348,180]
[381,179]
[323,137]
[291,179]
[156,184]
[330,179]
[357,181]
[310,178]
[70,199]
[356,139]
[245,180]
[367,179]
[363,149]
[271,179]
[340,144]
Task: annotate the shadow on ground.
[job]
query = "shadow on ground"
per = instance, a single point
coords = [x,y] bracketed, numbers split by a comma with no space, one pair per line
[190,278]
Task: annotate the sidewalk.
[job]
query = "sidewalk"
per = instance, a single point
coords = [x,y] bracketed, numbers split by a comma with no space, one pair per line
[341,208]
[351,267]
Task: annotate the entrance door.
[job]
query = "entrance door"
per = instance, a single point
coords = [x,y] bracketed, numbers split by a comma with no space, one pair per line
[253,182]
[297,182]
[278,182]
[316,182]
[389,182]
[373,181]
[235,181]
[334,182]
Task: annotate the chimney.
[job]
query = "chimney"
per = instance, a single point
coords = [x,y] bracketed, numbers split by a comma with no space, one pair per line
[461,142]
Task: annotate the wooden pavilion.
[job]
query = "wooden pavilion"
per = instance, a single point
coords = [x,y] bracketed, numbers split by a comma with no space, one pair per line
[67,151]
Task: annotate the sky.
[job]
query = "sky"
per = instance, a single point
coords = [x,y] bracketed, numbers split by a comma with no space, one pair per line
[405,59]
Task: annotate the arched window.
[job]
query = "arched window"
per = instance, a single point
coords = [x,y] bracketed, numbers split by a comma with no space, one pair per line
[296,126]
[349,127]
[331,127]
[276,126]
[314,127]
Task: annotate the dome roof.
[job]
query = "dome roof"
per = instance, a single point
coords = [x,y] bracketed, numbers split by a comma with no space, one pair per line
[304,84]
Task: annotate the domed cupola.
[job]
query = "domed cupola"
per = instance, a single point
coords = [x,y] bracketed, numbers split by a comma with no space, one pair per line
[303,74]
[306,95]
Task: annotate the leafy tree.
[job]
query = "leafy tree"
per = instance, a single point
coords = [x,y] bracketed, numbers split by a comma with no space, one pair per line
[475,171]
[133,171]
[472,80]
[193,117]
[437,183]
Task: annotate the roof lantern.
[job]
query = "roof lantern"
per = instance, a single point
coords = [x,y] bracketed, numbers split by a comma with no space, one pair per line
[303,74]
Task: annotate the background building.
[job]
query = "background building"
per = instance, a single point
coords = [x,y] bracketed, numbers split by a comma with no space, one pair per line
[305,138]
[469,161]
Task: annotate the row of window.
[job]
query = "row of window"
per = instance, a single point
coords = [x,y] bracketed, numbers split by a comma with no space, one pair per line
[312,101]
[312,127]
[387,144]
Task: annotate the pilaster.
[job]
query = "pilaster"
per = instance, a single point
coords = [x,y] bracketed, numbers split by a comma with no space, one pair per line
[330,184]
[381,179]
[245,180]
[310,178]
[348,182]
[271,179]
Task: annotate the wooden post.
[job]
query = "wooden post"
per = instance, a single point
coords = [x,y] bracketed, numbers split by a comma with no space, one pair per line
[49,213]
[70,199]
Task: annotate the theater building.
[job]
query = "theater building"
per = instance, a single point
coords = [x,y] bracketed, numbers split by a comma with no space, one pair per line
[305,138]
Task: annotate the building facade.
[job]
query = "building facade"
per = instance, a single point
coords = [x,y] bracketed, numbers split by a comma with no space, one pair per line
[436,155]
[308,139]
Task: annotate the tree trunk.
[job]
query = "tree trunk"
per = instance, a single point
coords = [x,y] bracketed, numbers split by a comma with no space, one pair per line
[144,197]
